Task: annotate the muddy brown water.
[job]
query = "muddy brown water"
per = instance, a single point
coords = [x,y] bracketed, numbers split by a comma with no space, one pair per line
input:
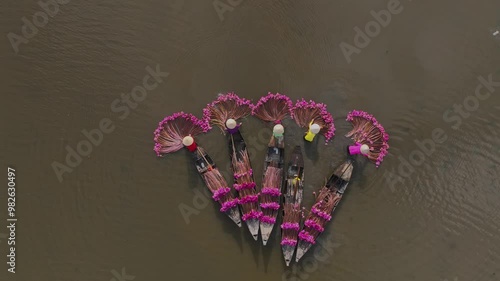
[428,213]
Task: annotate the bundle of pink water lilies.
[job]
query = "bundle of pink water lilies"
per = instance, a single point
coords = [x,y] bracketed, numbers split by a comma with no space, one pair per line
[279,196]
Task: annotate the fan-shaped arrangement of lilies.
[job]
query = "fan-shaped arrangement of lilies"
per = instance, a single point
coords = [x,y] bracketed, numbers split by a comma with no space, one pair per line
[279,196]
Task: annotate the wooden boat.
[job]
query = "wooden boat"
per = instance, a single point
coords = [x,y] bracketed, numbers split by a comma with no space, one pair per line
[210,175]
[177,131]
[244,182]
[327,200]
[292,211]
[371,141]
[224,112]
[272,108]
[272,181]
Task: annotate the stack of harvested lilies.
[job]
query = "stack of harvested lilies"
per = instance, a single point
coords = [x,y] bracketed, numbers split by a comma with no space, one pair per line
[282,188]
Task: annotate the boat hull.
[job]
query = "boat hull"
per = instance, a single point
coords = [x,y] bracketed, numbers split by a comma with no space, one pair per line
[302,249]
[265,231]
[238,154]
[234,215]
[292,212]
[253,227]
[333,190]
[272,178]
[288,253]
[204,165]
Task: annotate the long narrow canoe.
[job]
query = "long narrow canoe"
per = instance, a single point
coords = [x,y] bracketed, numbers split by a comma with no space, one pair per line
[292,212]
[321,212]
[244,182]
[272,181]
[212,177]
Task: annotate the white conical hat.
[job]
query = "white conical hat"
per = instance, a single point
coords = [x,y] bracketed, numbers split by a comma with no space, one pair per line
[315,128]
[365,149]
[231,123]
[187,141]
[278,129]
